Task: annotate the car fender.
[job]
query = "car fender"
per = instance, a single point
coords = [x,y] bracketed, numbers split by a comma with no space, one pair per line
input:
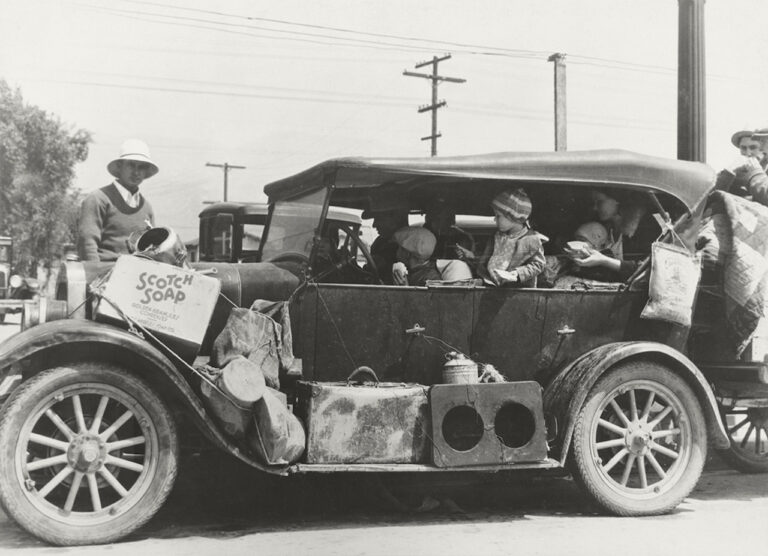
[67,341]
[565,395]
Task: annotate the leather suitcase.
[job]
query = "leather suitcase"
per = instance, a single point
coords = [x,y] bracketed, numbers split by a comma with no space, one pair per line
[365,422]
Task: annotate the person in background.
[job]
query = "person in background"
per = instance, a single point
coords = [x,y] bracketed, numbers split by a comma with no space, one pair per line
[516,255]
[384,248]
[108,216]
[746,175]
[415,246]
[747,145]
[440,219]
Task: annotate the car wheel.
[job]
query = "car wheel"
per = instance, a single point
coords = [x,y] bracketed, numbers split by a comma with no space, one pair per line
[748,432]
[2,317]
[87,454]
[640,440]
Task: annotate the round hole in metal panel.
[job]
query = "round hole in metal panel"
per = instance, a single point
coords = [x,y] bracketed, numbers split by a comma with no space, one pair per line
[514,425]
[462,428]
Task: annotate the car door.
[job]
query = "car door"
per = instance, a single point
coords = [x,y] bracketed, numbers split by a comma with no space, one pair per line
[346,326]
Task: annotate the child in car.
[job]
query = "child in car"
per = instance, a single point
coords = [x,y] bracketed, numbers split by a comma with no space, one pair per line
[415,266]
[516,255]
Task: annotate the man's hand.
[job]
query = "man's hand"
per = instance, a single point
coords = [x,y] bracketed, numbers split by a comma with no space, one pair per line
[743,165]
[399,274]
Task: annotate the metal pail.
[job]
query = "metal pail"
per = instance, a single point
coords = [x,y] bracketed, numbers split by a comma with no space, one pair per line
[460,370]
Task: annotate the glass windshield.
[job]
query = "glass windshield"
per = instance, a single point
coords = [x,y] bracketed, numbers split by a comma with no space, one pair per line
[216,238]
[293,225]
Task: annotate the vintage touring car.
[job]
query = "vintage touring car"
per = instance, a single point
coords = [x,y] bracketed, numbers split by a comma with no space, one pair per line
[89,434]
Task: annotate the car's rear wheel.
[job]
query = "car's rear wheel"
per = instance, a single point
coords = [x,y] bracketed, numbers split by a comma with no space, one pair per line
[87,454]
[639,443]
[748,432]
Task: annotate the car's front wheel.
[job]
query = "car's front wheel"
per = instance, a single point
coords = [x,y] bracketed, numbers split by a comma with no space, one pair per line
[87,454]
[640,440]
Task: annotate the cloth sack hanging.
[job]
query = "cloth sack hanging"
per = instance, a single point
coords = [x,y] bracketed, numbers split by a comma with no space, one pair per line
[675,275]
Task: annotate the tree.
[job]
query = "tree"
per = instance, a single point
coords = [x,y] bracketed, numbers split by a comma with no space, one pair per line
[38,202]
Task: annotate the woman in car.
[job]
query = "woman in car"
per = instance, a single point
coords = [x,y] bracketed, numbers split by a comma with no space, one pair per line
[621,218]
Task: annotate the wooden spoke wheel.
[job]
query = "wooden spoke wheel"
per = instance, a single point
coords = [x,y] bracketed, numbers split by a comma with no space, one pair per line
[87,454]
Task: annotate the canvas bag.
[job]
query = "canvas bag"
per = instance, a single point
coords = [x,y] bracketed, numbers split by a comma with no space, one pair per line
[675,275]
[277,437]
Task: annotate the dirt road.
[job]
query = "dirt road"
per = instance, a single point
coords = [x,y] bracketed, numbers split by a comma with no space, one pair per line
[232,515]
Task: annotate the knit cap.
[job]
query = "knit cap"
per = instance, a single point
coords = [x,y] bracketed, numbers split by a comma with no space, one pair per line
[416,240]
[515,203]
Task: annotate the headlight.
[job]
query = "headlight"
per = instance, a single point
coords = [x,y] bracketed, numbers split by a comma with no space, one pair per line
[15,281]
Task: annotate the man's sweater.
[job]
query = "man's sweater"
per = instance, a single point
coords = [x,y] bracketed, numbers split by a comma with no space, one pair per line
[106,221]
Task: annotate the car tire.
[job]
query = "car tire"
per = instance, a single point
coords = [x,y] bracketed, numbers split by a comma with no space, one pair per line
[2,317]
[748,432]
[88,454]
[640,440]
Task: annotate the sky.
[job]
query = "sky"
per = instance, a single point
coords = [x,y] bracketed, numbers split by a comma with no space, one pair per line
[280,86]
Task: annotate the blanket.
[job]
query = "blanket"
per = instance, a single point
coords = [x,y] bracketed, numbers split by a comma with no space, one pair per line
[735,240]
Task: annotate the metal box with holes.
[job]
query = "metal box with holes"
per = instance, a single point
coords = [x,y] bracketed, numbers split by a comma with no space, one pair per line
[476,424]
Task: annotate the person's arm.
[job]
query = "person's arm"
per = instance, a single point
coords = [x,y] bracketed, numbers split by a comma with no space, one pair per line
[623,269]
[744,176]
[757,185]
[89,229]
[535,264]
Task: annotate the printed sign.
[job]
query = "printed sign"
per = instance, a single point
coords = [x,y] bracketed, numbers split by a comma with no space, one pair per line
[162,298]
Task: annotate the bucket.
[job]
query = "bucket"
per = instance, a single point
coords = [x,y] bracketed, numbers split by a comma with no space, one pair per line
[459,370]
[238,386]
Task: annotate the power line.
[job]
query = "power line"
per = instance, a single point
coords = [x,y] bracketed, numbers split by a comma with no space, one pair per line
[223,93]
[588,60]
[344,30]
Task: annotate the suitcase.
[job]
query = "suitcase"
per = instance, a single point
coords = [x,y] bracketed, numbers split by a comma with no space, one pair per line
[365,422]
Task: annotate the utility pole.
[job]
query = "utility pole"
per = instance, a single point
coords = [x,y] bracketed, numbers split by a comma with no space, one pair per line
[227,167]
[561,123]
[436,79]
[691,95]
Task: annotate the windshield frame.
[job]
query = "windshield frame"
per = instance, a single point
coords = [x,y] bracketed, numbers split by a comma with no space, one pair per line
[286,214]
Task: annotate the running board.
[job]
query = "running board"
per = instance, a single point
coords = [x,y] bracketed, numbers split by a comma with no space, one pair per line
[302,468]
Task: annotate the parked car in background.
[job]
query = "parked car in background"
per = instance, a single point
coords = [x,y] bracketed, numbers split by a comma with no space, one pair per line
[232,231]
[89,439]
[6,258]
[13,286]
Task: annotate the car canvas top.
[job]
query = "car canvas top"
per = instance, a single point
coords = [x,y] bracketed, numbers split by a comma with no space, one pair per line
[689,182]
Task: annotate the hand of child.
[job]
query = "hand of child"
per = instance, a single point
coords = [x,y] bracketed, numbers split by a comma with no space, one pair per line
[399,274]
[463,253]
[504,276]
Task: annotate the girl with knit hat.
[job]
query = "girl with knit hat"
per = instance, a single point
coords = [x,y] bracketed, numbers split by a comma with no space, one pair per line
[516,255]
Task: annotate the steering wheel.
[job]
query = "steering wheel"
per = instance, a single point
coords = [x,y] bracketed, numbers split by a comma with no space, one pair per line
[290,257]
[372,273]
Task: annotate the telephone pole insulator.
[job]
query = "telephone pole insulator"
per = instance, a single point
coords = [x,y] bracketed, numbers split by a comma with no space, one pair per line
[226,167]
[433,107]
